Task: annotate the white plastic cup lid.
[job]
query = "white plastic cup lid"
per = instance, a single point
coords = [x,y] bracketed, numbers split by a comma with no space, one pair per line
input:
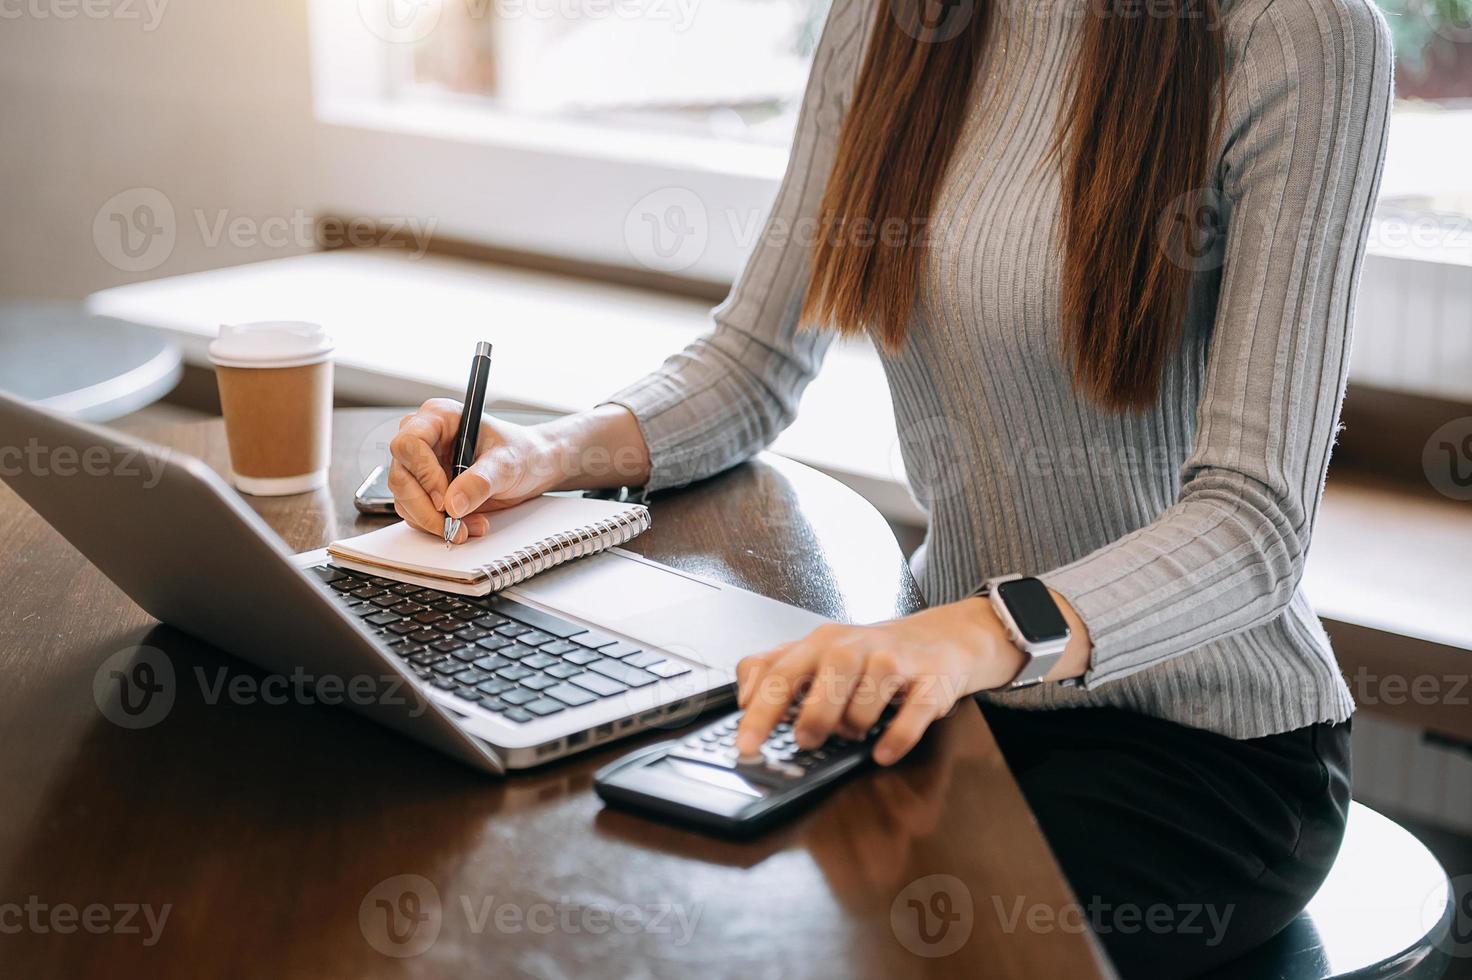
[270,344]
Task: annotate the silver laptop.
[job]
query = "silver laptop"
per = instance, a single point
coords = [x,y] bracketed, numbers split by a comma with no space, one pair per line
[594,650]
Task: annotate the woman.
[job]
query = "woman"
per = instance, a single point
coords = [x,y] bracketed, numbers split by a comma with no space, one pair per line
[1109,253]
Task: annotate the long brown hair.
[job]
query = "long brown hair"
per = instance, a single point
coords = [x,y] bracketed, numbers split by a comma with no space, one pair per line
[1135,139]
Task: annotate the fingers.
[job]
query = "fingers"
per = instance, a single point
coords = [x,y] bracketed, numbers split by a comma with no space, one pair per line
[771,698]
[879,686]
[412,502]
[909,723]
[487,479]
[417,476]
[751,670]
[838,674]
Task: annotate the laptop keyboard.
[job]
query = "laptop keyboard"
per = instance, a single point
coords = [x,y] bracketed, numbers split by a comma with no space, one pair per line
[510,659]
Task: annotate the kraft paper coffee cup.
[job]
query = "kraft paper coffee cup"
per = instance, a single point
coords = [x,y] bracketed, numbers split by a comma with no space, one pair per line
[276,392]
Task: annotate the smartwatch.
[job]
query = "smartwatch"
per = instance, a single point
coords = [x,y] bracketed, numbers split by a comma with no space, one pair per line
[1034,624]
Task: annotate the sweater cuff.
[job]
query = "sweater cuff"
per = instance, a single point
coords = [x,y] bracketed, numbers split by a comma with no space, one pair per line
[1100,608]
[656,404]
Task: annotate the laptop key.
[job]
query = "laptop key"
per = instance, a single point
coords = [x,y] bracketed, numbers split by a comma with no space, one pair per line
[493,642]
[429,618]
[446,646]
[492,663]
[641,659]
[473,675]
[384,601]
[467,655]
[632,676]
[364,609]
[467,693]
[490,622]
[619,650]
[580,657]
[383,618]
[517,651]
[569,694]
[538,660]
[539,682]
[424,636]
[327,573]
[535,618]
[345,584]
[447,667]
[667,668]
[472,633]
[535,638]
[600,685]
[404,589]
[559,647]
[513,629]
[563,671]
[407,608]
[518,715]
[444,683]
[514,673]
[494,686]
[403,629]
[366,591]
[544,706]
[518,696]
[594,639]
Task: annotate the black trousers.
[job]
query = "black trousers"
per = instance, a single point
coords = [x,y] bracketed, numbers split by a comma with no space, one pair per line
[1185,849]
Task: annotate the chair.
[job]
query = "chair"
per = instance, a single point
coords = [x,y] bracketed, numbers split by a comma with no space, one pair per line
[1385,911]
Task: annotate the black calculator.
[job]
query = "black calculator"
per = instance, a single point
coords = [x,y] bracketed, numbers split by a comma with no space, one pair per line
[700,780]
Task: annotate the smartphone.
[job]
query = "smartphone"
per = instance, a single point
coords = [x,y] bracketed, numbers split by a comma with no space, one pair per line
[374,496]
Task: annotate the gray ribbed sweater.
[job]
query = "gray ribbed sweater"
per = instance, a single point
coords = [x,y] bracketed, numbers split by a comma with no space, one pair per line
[1179,534]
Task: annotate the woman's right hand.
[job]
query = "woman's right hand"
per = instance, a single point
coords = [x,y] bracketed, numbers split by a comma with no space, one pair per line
[513,463]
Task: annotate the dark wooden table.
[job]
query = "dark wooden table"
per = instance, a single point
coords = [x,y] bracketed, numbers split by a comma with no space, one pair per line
[296,840]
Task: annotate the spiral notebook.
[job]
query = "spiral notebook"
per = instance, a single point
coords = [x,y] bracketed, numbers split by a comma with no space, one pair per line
[523,541]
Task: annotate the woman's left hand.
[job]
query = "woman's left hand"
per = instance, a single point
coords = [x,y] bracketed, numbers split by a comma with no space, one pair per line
[847,675]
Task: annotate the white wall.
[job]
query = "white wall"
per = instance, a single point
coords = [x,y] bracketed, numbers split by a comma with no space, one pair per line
[205,101]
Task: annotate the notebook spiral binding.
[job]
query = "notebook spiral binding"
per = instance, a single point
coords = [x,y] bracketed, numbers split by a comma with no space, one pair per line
[565,546]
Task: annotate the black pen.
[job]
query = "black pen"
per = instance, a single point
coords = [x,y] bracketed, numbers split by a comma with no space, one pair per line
[470,412]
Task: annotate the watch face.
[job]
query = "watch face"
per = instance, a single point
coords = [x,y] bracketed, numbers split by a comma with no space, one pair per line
[1033,609]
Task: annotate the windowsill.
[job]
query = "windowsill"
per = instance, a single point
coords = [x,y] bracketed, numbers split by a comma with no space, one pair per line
[476,125]
[370,300]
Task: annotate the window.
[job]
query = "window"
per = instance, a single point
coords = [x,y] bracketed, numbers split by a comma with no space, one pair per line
[544,125]
[735,71]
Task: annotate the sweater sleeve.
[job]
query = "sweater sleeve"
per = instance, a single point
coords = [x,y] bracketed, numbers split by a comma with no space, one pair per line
[1307,107]
[730,393]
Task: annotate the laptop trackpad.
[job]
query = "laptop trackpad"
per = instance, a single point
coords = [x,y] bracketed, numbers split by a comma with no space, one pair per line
[608,588]
[662,608]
